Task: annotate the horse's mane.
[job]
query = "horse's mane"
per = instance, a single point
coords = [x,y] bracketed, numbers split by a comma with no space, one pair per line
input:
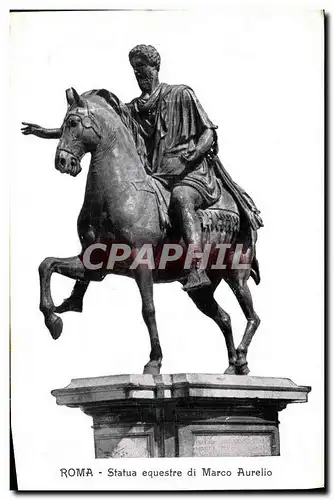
[127,119]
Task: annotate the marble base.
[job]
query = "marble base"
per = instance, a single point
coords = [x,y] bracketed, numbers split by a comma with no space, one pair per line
[183,415]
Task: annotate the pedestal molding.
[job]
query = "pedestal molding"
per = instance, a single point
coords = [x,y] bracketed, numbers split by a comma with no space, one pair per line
[183,414]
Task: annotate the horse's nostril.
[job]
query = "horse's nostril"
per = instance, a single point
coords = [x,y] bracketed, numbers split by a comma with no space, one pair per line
[73,162]
[62,161]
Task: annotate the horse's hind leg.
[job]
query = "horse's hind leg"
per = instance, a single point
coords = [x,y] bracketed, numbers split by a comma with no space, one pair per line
[71,267]
[206,303]
[74,301]
[239,286]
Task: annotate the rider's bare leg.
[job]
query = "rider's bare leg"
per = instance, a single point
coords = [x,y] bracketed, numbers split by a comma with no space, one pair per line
[185,201]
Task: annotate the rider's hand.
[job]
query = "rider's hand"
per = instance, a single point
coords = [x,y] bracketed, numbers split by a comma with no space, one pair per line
[190,156]
[31,128]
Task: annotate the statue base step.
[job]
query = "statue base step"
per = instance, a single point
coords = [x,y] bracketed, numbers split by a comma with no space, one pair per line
[183,415]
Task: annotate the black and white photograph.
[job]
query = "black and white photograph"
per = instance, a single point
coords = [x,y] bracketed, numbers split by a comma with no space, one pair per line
[167,248]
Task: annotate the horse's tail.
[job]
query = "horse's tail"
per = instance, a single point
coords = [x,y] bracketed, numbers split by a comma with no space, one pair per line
[255,270]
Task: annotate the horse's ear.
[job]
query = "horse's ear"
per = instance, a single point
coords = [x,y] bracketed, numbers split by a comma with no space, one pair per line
[72,97]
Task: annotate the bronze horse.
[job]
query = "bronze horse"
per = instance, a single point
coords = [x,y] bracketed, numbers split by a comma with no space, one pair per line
[115,209]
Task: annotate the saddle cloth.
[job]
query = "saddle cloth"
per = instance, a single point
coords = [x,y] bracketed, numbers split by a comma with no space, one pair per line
[222,216]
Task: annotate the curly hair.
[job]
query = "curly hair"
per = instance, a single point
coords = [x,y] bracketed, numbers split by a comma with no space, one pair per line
[148,52]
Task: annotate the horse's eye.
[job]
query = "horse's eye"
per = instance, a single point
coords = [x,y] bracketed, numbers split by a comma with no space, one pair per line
[73,123]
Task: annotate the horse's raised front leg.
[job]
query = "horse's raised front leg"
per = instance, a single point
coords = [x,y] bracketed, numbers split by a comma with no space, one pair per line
[75,300]
[241,290]
[206,303]
[71,267]
[144,281]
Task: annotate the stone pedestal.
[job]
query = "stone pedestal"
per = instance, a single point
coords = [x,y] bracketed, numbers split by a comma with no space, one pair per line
[183,415]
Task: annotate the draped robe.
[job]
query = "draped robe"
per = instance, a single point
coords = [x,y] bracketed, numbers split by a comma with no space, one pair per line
[172,121]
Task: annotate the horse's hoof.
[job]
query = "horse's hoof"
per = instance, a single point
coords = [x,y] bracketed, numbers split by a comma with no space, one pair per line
[55,325]
[69,305]
[230,370]
[152,368]
[242,369]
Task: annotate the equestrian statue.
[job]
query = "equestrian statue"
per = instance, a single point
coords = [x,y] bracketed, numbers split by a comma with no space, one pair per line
[154,182]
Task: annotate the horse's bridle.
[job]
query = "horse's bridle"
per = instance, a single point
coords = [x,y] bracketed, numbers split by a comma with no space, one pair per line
[86,119]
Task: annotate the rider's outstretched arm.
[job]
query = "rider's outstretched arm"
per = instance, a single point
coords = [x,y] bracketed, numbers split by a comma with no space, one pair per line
[44,133]
[50,133]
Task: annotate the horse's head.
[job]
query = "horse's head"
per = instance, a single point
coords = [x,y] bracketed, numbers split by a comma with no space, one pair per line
[97,120]
[80,134]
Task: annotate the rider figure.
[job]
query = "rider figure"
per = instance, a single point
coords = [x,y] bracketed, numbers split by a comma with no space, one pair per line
[179,138]
[182,149]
